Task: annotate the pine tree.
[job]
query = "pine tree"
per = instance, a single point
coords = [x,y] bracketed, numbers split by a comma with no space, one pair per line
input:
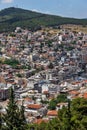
[0,120]
[14,118]
[22,118]
[65,118]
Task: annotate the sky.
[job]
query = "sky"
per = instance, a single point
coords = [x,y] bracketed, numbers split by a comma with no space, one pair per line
[66,8]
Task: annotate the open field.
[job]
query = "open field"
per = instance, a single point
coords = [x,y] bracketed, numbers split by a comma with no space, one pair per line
[77,28]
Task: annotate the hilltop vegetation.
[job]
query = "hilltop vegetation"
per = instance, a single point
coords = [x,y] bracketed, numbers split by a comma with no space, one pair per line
[13,17]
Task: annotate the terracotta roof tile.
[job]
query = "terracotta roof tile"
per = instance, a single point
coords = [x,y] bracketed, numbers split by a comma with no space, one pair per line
[74,92]
[39,121]
[52,113]
[27,99]
[76,83]
[34,106]
[85,95]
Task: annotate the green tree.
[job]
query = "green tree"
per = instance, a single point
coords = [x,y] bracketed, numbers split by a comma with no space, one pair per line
[65,119]
[52,104]
[72,117]
[13,62]
[79,113]
[49,43]
[22,118]
[14,117]
[0,119]
[42,126]
[54,124]
[62,98]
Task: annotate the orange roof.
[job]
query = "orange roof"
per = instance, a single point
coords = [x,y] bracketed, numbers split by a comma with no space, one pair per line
[76,83]
[80,95]
[45,92]
[39,121]
[27,99]
[85,45]
[2,80]
[19,102]
[85,95]
[74,92]
[85,81]
[34,106]
[52,113]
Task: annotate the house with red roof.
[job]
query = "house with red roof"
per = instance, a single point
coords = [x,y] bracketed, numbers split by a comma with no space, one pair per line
[36,110]
[52,114]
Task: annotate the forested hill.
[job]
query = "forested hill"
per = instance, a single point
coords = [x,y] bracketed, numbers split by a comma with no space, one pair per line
[13,17]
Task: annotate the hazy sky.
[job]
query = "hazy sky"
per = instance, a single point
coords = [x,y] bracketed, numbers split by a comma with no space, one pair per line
[68,8]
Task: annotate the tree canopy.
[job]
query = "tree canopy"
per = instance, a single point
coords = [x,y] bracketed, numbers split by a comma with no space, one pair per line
[14,118]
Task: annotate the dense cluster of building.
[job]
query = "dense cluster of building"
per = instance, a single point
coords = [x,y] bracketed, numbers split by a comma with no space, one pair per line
[50,62]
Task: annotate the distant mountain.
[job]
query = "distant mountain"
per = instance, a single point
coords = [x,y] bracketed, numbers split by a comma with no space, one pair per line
[13,17]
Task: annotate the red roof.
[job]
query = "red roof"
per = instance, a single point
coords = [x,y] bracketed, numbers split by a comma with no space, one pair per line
[34,106]
[39,121]
[52,113]
[27,99]
[85,95]
[85,81]
[74,92]
[76,83]
[46,92]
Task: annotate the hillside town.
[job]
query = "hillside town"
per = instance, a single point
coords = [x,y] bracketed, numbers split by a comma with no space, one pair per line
[40,66]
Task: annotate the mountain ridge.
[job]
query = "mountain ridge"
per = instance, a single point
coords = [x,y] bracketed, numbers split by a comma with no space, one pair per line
[12,17]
